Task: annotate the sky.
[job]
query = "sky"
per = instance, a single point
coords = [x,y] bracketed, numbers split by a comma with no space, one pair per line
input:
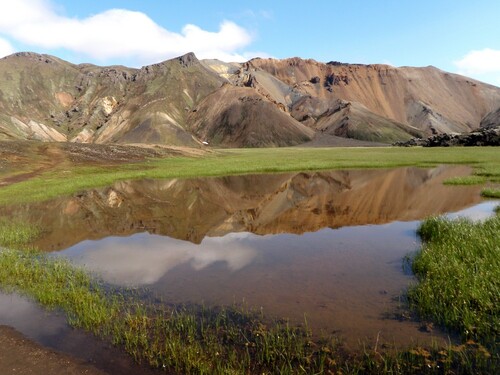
[459,36]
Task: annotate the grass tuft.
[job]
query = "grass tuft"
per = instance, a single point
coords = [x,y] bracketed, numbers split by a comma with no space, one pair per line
[490,193]
[15,234]
[466,180]
[458,272]
[235,340]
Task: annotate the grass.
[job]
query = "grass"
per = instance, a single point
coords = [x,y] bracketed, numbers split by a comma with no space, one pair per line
[199,340]
[61,181]
[466,180]
[483,174]
[490,193]
[458,272]
[15,234]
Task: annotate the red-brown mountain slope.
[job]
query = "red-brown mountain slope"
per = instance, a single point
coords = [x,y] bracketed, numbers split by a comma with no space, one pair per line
[260,103]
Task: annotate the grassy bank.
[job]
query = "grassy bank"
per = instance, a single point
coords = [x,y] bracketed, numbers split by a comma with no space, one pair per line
[199,340]
[458,272]
[64,180]
[490,193]
[188,340]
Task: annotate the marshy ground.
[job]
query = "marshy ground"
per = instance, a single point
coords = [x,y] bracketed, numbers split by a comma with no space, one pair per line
[235,338]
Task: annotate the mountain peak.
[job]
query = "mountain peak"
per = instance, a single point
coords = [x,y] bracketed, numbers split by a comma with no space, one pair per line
[188,59]
[264,102]
[33,56]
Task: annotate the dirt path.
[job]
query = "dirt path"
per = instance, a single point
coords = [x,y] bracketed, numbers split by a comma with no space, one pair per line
[52,157]
[21,356]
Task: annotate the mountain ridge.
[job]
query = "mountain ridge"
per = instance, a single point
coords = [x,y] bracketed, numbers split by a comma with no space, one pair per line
[258,103]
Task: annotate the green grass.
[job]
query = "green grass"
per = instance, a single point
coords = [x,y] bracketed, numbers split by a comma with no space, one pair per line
[458,272]
[490,193]
[199,340]
[55,283]
[244,161]
[14,234]
[466,180]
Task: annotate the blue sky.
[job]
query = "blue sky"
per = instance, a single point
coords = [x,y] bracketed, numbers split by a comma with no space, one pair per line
[458,36]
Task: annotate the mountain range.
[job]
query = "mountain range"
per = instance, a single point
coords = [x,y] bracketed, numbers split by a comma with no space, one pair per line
[260,103]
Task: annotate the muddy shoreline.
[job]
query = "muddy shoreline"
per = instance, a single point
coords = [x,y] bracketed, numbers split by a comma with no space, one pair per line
[20,355]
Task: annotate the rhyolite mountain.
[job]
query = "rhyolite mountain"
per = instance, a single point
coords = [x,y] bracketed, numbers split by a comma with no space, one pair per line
[263,102]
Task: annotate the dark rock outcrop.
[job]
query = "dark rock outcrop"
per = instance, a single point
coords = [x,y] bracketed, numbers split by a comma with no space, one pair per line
[481,137]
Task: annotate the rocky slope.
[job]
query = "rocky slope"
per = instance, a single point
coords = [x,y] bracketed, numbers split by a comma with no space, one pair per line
[263,102]
[425,98]
[491,120]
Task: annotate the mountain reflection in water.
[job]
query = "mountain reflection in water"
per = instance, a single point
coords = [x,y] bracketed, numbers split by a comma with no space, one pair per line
[292,244]
[192,209]
[346,280]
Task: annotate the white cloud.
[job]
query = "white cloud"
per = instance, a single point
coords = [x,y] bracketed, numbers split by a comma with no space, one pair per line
[481,64]
[5,48]
[117,33]
[251,54]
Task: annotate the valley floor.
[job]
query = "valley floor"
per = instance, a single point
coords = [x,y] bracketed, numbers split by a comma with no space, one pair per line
[34,171]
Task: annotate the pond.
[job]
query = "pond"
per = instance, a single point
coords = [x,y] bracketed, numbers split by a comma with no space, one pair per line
[327,247]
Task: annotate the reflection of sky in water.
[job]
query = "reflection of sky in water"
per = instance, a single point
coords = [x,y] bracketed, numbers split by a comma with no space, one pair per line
[343,279]
[29,318]
[480,211]
[143,258]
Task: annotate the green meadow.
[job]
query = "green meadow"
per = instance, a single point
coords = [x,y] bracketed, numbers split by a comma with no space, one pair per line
[457,272]
[66,180]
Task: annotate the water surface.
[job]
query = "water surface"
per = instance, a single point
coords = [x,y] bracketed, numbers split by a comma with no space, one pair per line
[325,245]
[192,209]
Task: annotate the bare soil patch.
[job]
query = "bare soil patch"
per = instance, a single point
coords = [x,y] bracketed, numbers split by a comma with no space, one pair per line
[21,160]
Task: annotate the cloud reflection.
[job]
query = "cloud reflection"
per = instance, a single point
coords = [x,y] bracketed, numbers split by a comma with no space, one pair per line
[143,259]
[479,212]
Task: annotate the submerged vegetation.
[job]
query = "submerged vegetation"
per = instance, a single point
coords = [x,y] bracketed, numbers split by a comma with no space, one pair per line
[67,179]
[458,273]
[200,340]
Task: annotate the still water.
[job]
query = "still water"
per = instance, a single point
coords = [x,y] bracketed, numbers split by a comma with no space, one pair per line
[328,246]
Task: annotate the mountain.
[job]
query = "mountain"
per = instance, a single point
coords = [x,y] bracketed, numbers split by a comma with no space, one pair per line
[260,103]
[426,98]
[491,120]
[45,98]
[240,116]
